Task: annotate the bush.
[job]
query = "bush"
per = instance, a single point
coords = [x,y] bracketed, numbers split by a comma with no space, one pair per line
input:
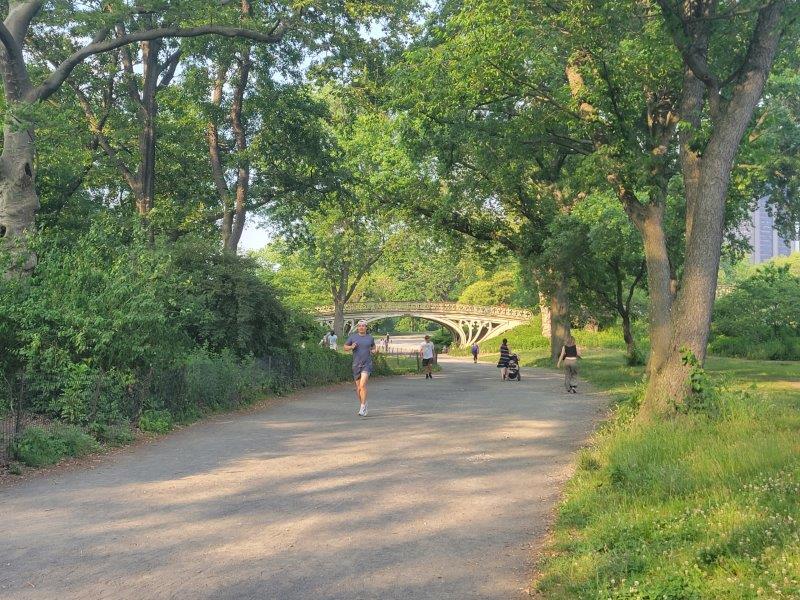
[320,366]
[74,440]
[104,306]
[212,381]
[760,318]
[155,421]
[442,337]
[115,434]
[37,447]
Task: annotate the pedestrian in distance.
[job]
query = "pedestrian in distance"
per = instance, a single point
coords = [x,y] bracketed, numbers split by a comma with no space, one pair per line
[426,352]
[333,340]
[324,341]
[475,350]
[386,343]
[362,345]
[569,356]
[505,356]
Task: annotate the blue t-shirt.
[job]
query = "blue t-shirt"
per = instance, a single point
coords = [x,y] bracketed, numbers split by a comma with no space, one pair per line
[362,353]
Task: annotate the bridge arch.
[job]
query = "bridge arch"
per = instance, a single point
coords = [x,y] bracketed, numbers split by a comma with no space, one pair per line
[468,323]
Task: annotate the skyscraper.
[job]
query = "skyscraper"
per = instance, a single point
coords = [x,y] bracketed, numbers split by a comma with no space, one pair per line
[764,239]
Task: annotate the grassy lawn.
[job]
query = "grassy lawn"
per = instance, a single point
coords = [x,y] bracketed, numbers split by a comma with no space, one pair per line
[694,507]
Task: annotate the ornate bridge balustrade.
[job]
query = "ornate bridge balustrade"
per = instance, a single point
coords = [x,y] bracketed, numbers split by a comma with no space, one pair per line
[469,323]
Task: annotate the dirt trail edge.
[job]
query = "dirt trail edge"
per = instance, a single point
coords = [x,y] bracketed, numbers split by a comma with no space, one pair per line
[443,491]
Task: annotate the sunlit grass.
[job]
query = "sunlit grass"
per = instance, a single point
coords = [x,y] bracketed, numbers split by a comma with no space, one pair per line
[690,507]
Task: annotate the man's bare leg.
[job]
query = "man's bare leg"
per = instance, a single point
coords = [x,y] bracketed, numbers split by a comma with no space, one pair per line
[362,390]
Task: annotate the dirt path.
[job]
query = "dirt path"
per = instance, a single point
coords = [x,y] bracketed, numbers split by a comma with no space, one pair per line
[442,492]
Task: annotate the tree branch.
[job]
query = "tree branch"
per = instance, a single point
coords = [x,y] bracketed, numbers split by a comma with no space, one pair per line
[97,131]
[14,59]
[167,70]
[52,83]
[19,18]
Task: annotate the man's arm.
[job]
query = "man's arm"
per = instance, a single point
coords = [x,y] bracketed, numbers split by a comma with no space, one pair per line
[561,357]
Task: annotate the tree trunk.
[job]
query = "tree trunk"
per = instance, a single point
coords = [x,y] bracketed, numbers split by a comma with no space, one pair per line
[147,113]
[18,198]
[627,335]
[338,316]
[544,310]
[708,179]
[243,170]
[559,316]
[659,278]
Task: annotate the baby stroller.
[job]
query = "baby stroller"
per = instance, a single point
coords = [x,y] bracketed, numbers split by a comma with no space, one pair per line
[513,368]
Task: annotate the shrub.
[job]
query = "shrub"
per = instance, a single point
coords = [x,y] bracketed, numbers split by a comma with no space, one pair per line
[760,318]
[319,366]
[155,421]
[37,447]
[115,434]
[74,440]
[211,380]
[442,337]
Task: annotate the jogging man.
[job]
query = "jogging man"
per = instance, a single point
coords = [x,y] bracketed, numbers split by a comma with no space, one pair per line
[426,352]
[362,345]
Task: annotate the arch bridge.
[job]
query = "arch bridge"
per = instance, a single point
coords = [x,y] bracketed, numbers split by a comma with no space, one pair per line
[469,323]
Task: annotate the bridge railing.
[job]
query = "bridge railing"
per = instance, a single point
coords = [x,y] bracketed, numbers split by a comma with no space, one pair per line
[434,307]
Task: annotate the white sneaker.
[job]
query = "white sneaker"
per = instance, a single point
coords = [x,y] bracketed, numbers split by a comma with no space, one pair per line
[361,411]
[364,414]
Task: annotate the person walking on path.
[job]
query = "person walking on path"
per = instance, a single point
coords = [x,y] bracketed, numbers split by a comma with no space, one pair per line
[505,356]
[475,350]
[386,343]
[333,340]
[426,352]
[570,355]
[362,345]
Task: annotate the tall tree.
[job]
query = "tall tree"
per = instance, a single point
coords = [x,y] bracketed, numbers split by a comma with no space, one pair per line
[19,200]
[504,158]
[355,221]
[669,97]
[606,261]
[114,25]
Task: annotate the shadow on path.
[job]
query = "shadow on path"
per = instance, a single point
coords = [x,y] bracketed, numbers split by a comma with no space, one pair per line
[442,492]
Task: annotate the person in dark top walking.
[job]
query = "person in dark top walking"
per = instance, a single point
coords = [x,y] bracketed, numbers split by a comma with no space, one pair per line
[505,355]
[569,356]
[362,345]
[475,350]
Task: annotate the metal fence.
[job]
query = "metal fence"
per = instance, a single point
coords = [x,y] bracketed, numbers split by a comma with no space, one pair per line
[16,417]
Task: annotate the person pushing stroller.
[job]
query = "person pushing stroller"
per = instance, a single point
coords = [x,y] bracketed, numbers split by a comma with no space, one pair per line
[514,373]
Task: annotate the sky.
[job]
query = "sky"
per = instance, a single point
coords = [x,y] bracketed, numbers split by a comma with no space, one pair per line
[254,236]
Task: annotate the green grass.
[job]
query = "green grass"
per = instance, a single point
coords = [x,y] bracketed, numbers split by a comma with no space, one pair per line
[691,507]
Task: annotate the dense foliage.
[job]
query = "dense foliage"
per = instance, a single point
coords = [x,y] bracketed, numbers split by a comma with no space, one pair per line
[760,318]
[107,313]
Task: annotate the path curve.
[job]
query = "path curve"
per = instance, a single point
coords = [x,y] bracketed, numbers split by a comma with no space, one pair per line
[443,492]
